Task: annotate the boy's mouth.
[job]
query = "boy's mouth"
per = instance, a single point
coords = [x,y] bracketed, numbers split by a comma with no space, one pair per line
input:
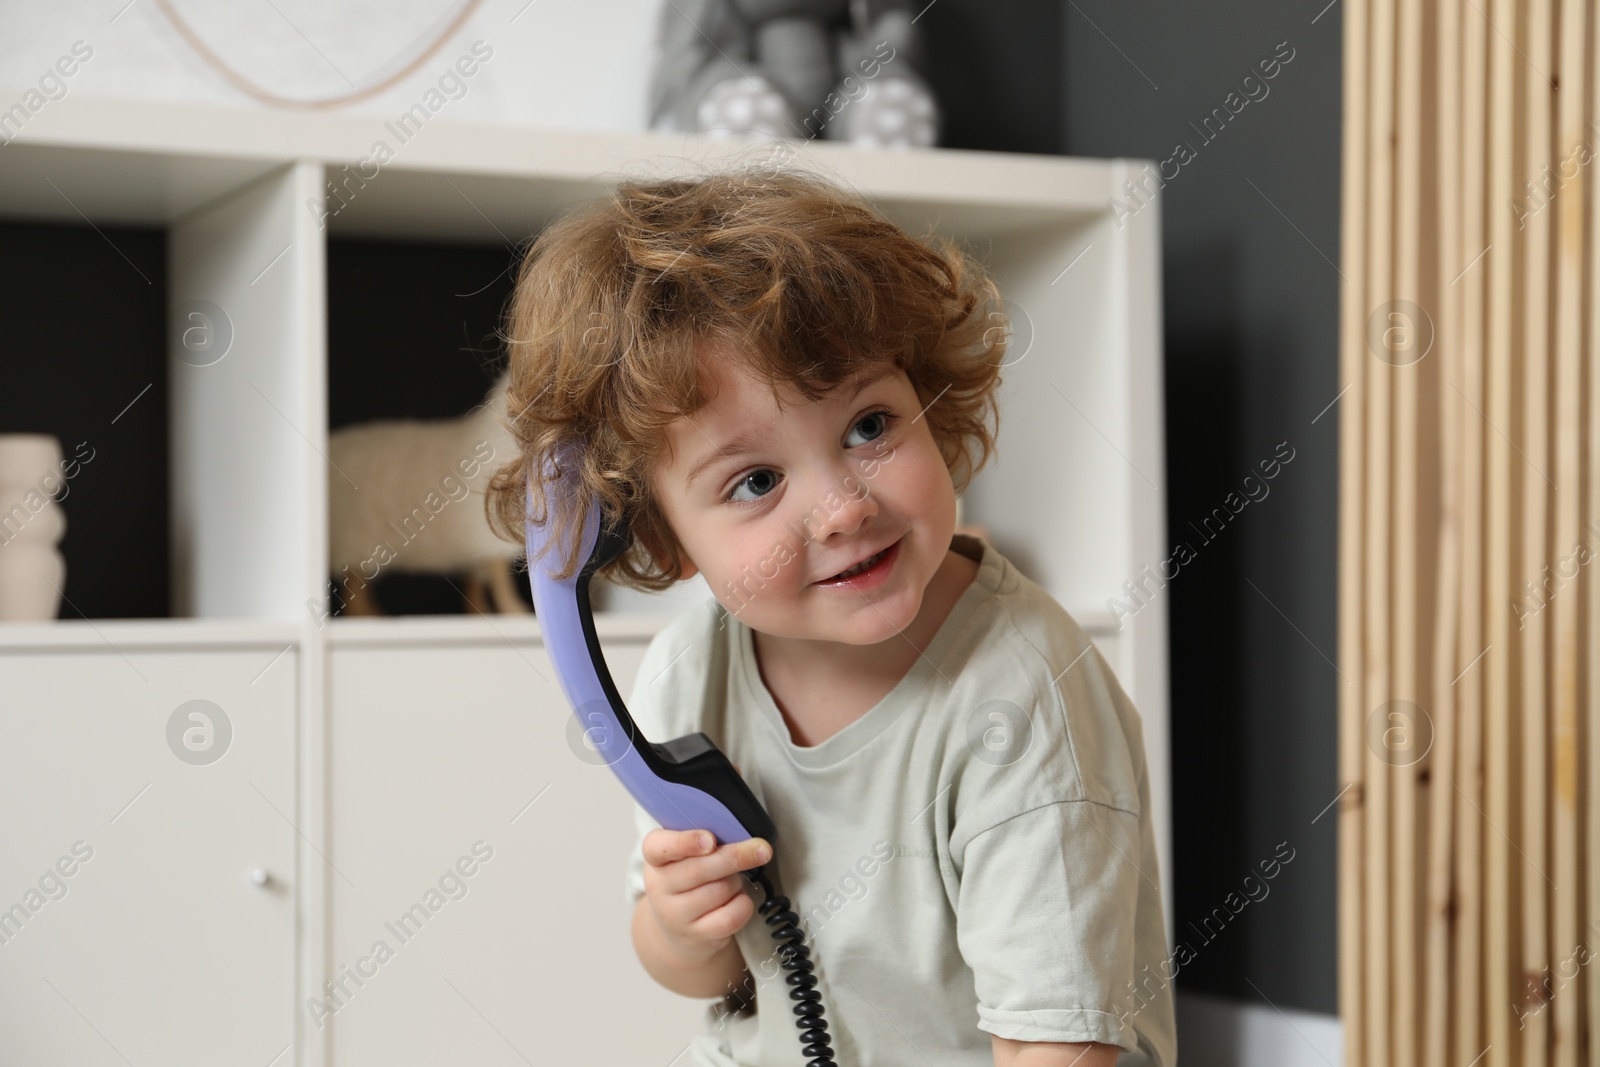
[871,563]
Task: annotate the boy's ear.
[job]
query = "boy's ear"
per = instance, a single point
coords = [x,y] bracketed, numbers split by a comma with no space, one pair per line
[659,552]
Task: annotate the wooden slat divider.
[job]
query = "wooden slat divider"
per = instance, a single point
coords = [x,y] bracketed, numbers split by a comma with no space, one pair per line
[1469,552]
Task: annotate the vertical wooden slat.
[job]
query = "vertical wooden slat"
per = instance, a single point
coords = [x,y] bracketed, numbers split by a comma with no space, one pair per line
[1535,555]
[1500,892]
[1375,660]
[1405,238]
[1591,583]
[1590,587]
[1467,999]
[1437,1037]
[1354,766]
[1563,785]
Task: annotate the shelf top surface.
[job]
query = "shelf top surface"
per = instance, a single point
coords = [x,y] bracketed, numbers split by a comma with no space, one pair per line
[140,162]
[110,635]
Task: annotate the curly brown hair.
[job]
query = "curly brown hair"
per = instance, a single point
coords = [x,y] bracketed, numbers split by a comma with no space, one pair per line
[809,284]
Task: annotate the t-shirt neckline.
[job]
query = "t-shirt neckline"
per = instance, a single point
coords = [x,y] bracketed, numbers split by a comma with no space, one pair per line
[884,713]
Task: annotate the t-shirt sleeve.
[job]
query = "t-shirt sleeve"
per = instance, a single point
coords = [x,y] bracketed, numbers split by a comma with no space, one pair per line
[1045,918]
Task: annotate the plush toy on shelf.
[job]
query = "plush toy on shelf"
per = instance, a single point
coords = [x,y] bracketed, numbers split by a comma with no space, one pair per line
[845,70]
[406,495]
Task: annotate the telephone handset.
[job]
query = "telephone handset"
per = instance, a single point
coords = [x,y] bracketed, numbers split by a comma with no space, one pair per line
[686,783]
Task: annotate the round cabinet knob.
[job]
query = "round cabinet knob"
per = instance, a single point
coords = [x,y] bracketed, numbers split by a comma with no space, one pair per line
[260,876]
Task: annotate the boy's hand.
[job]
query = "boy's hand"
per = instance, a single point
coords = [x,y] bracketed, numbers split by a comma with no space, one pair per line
[697,894]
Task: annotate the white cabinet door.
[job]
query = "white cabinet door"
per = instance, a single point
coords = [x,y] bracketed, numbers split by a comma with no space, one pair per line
[449,758]
[132,930]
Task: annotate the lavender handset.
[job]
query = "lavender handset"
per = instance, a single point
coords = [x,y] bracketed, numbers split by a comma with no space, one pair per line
[686,783]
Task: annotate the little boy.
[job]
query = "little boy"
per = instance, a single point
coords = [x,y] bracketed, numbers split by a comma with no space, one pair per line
[783,392]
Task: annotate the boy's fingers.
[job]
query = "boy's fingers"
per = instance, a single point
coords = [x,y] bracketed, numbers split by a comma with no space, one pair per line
[670,847]
[697,843]
[663,846]
[750,853]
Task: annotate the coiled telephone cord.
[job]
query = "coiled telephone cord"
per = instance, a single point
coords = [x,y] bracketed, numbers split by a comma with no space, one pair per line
[784,926]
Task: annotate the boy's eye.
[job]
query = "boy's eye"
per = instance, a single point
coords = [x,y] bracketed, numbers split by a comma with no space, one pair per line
[755,477]
[763,480]
[880,419]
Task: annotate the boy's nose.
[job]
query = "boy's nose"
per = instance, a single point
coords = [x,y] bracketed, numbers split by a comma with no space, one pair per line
[841,512]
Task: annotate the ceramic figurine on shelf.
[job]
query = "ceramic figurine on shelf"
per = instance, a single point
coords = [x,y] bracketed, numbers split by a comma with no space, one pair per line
[32,570]
[406,495]
[844,70]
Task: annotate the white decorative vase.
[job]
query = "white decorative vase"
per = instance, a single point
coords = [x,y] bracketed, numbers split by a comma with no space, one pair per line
[32,570]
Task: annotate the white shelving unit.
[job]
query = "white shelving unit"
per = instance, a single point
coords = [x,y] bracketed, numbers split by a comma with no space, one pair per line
[371,756]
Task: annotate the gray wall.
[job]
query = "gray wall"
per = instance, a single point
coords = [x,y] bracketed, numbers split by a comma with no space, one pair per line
[1251,321]
[1251,295]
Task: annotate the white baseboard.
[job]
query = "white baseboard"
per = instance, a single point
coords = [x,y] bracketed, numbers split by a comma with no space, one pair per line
[1217,1032]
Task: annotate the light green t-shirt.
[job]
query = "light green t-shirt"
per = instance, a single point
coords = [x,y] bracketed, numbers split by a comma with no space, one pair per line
[973,856]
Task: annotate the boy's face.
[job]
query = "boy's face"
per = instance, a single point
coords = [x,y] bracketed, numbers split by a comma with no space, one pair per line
[793,495]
